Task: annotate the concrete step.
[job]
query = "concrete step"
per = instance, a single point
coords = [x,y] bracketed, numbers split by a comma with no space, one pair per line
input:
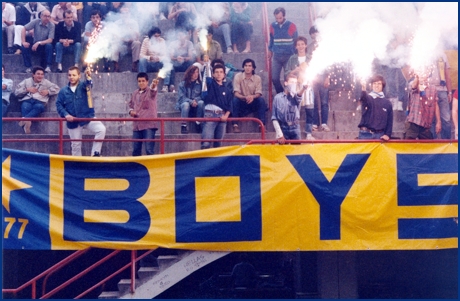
[109,295]
[147,272]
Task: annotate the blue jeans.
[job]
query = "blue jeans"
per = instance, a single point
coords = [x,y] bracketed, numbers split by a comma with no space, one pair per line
[5,106]
[309,120]
[279,62]
[241,108]
[179,67]
[146,66]
[32,108]
[186,109]
[45,52]
[291,132]
[365,135]
[74,48]
[444,110]
[212,130]
[324,99]
[149,145]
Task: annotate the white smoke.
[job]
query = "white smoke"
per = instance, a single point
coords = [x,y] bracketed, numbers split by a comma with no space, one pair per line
[394,33]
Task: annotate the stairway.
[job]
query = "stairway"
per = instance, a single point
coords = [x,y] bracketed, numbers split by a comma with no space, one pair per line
[153,280]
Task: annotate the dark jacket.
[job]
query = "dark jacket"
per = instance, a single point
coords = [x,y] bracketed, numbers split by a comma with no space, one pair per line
[75,104]
[61,32]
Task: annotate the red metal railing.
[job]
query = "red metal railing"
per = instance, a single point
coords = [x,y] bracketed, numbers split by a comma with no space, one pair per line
[162,137]
[61,264]
[268,64]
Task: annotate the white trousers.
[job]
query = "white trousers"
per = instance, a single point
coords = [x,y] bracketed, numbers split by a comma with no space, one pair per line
[94,126]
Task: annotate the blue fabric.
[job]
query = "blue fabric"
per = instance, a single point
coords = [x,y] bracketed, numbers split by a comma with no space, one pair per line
[149,145]
[212,130]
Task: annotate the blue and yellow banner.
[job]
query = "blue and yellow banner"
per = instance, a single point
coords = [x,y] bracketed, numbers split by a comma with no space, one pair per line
[339,196]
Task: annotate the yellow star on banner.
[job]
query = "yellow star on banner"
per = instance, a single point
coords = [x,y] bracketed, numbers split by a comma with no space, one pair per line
[9,184]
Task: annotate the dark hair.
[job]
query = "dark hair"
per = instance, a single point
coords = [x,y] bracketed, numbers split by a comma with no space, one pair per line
[188,75]
[253,64]
[377,78]
[143,75]
[218,66]
[37,68]
[217,61]
[96,12]
[74,68]
[290,75]
[210,30]
[67,12]
[280,10]
[313,30]
[153,31]
[301,38]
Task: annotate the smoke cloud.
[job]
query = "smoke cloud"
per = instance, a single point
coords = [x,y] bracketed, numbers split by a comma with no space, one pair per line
[397,34]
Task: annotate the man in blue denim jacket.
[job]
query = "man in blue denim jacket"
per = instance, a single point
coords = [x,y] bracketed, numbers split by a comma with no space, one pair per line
[73,102]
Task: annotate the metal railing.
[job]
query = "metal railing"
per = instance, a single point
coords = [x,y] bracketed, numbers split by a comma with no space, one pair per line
[45,275]
[163,139]
[268,64]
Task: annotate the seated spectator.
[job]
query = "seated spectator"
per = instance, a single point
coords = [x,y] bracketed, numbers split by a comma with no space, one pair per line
[218,104]
[25,14]
[8,21]
[91,28]
[182,55]
[57,14]
[286,110]
[241,25]
[68,39]
[247,88]
[213,49]
[88,8]
[114,7]
[143,104]
[42,41]
[7,88]
[189,100]
[33,93]
[152,50]
[79,8]
[129,38]
[223,24]
[184,15]
[297,64]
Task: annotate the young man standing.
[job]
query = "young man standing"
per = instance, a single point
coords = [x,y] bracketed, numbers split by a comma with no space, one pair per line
[281,47]
[377,112]
[73,102]
[143,104]
[218,104]
[286,111]
[34,93]
[247,87]
[423,107]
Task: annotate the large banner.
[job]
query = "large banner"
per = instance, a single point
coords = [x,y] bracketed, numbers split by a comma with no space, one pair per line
[339,196]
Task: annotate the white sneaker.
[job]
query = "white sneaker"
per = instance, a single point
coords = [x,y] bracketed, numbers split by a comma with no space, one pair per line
[400,106]
[48,69]
[314,127]
[394,102]
[229,50]
[358,108]
[325,128]
[310,137]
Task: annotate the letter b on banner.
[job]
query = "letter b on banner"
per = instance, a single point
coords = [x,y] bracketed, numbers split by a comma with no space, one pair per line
[98,208]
